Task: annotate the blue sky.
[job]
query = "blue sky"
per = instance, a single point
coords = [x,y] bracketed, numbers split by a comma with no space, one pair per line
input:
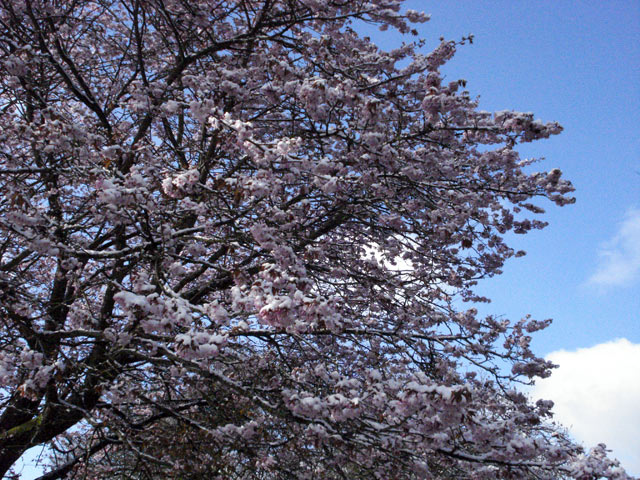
[577,63]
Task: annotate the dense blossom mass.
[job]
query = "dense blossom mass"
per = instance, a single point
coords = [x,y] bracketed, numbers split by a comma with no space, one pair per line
[240,241]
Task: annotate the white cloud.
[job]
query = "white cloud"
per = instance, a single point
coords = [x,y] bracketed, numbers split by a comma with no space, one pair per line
[620,257]
[597,397]
[399,264]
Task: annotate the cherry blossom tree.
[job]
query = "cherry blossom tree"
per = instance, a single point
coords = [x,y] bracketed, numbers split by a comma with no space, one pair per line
[238,240]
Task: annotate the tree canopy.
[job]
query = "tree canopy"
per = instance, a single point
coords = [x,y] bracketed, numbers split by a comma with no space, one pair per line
[237,240]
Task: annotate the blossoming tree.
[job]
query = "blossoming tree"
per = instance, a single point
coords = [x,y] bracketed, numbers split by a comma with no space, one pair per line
[235,236]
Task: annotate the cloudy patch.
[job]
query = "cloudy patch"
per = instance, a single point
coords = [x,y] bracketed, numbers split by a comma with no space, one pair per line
[620,257]
[596,392]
